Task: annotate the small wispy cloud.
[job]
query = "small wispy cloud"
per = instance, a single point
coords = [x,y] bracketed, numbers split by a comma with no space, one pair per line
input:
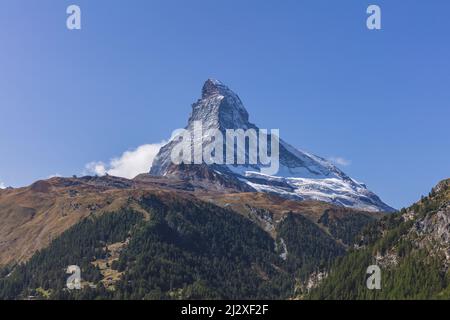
[128,165]
[340,161]
[97,168]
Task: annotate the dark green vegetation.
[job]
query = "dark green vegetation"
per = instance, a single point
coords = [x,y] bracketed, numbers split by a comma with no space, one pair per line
[314,250]
[410,247]
[185,250]
[80,245]
[346,227]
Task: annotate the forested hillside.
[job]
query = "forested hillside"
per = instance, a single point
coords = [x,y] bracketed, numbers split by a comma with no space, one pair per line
[185,249]
[411,247]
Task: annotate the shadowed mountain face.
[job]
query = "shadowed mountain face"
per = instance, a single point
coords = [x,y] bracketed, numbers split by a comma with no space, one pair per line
[301,175]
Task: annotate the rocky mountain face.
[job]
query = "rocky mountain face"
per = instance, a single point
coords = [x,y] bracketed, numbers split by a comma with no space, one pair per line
[411,247]
[301,175]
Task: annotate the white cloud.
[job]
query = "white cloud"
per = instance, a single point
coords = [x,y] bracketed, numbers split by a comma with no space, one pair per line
[2,185]
[95,168]
[340,161]
[128,165]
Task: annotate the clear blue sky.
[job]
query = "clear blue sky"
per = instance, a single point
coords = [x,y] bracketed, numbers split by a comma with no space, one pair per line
[311,68]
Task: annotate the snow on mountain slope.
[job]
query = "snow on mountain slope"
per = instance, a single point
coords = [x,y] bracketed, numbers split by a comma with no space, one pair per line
[301,175]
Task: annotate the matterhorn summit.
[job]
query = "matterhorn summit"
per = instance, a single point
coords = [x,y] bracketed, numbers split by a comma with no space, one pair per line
[300,175]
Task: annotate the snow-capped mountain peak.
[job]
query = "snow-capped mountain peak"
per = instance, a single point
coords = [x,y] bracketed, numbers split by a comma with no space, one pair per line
[301,175]
[219,108]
